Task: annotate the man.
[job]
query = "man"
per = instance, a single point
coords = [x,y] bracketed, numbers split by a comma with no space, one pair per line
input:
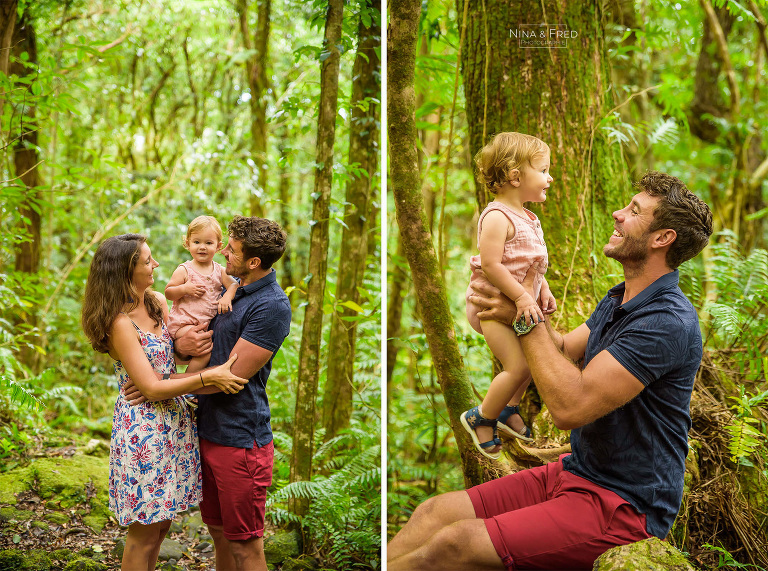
[236,447]
[628,411]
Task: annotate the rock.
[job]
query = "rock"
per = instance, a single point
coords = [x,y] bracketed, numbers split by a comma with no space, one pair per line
[195,525]
[281,546]
[57,518]
[13,482]
[96,521]
[649,555]
[175,527]
[171,566]
[303,563]
[170,549]
[95,447]
[62,555]
[204,547]
[12,514]
[82,564]
[117,550]
[26,560]
[41,524]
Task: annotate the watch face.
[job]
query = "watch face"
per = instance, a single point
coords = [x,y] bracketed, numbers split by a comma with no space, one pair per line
[521,327]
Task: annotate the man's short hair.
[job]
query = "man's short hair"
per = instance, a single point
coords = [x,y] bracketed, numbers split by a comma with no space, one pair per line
[261,238]
[680,210]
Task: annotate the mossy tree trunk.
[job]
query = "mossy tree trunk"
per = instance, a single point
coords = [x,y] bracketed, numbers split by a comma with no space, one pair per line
[26,162]
[311,334]
[258,81]
[363,151]
[559,95]
[416,238]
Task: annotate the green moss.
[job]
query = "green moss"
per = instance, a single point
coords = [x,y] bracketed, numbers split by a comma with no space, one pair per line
[41,524]
[18,560]
[12,514]
[85,565]
[96,521]
[13,482]
[62,555]
[57,518]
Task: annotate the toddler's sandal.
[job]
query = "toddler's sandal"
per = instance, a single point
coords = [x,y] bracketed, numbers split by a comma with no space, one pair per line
[525,435]
[471,419]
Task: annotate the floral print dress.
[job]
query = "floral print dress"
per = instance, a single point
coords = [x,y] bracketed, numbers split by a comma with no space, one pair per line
[154,458]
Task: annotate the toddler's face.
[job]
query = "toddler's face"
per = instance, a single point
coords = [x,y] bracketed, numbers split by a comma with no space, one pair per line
[535,179]
[203,245]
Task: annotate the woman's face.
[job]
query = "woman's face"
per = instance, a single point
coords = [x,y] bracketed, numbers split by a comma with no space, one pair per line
[143,272]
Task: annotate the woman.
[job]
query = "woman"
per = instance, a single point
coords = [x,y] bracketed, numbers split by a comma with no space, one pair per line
[154,458]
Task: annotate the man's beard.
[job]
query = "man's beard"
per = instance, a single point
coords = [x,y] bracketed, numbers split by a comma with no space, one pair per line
[631,252]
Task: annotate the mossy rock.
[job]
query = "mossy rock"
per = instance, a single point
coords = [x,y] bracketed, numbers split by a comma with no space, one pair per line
[649,555]
[82,564]
[13,482]
[41,524]
[95,447]
[281,546]
[62,555]
[170,549]
[12,515]
[67,477]
[26,560]
[96,521]
[57,517]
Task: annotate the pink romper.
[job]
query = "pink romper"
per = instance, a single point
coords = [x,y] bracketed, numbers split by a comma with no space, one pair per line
[190,310]
[526,247]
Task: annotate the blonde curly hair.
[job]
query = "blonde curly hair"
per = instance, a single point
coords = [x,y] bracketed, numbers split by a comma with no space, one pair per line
[202,223]
[505,152]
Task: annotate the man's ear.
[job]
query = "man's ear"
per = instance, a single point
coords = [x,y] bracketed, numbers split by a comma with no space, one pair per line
[664,238]
[254,263]
[514,177]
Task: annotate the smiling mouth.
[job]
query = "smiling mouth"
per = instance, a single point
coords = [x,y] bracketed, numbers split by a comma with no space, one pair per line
[617,234]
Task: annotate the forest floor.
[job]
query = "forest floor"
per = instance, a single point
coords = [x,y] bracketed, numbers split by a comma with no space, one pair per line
[54,516]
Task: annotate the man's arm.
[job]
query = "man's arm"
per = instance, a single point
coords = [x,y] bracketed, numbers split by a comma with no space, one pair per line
[575,397]
[250,358]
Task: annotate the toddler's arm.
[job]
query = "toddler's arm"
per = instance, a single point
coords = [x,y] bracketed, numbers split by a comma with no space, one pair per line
[225,303]
[178,286]
[492,238]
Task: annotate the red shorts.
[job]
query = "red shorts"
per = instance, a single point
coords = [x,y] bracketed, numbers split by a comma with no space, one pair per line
[235,482]
[549,518]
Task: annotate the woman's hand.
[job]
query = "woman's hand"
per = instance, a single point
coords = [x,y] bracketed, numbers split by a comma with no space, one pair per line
[223,379]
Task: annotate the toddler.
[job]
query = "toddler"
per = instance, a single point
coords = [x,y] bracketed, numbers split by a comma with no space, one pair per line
[514,167]
[195,286]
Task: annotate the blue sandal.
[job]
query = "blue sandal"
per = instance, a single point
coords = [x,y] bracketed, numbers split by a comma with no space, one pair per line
[502,425]
[471,419]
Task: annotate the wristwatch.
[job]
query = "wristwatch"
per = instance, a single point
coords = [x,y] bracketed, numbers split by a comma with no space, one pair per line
[521,327]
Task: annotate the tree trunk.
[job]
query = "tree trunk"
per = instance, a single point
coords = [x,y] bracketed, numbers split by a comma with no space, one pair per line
[559,95]
[416,239]
[26,165]
[311,335]
[7,25]
[397,290]
[363,150]
[258,80]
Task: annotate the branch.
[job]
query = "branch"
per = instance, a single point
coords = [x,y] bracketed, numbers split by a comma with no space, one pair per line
[22,174]
[759,175]
[761,26]
[722,48]
[102,49]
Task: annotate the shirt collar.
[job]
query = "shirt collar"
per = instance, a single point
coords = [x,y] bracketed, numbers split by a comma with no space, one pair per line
[668,280]
[253,287]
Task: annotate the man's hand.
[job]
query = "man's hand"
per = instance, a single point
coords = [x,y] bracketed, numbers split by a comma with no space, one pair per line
[132,394]
[497,306]
[196,342]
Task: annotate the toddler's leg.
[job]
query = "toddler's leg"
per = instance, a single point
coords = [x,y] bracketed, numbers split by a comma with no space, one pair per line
[198,363]
[505,345]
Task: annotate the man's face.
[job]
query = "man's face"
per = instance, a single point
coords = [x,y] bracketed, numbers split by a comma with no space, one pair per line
[233,252]
[629,243]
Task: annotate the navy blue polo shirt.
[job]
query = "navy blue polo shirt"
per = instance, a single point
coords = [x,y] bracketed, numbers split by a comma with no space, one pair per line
[261,314]
[638,451]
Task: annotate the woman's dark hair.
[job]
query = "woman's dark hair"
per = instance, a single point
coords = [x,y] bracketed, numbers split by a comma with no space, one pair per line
[110,288]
